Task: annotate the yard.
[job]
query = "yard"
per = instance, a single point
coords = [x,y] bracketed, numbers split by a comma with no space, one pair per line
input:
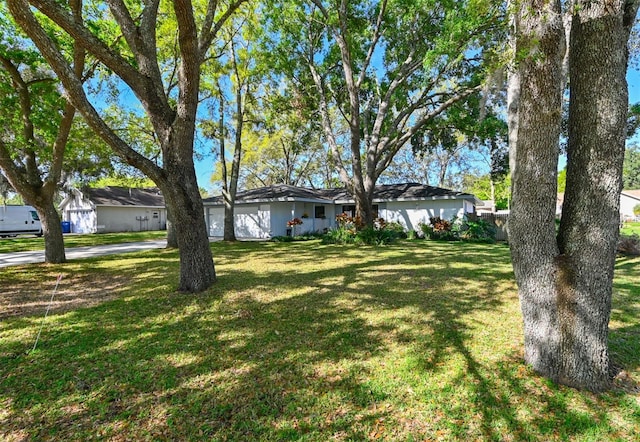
[630,229]
[297,341]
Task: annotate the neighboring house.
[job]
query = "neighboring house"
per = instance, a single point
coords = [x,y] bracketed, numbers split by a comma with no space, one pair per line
[486,206]
[628,200]
[264,212]
[114,209]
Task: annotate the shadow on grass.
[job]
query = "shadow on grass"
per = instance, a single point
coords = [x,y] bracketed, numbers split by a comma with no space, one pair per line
[293,342]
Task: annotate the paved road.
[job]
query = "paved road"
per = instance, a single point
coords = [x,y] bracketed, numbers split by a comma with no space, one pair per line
[19,258]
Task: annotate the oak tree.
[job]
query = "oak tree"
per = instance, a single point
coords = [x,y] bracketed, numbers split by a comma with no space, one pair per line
[157,51]
[565,280]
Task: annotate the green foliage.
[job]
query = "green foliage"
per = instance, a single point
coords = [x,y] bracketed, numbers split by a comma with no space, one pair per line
[636,210]
[480,186]
[477,230]
[351,231]
[631,168]
[562,180]
[459,229]
[135,180]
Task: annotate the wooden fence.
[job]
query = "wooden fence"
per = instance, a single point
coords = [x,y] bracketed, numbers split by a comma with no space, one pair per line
[500,222]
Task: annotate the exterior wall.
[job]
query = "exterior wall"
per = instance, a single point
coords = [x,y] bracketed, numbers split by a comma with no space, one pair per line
[84,217]
[412,213]
[81,214]
[263,221]
[129,219]
[82,220]
[250,221]
[627,203]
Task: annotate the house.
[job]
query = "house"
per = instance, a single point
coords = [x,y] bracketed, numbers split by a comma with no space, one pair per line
[264,212]
[628,200]
[114,209]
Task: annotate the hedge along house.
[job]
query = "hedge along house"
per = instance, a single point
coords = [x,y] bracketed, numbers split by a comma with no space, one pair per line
[263,213]
[114,209]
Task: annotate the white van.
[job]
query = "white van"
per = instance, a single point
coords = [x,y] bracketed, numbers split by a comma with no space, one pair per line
[19,220]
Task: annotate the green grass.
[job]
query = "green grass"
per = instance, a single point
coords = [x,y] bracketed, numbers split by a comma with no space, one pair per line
[630,229]
[26,243]
[296,341]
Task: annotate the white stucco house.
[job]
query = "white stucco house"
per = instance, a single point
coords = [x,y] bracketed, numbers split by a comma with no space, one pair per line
[628,200]
[264,212]
[114,209]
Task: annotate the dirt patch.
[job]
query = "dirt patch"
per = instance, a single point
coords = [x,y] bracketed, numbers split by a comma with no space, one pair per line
[28,298]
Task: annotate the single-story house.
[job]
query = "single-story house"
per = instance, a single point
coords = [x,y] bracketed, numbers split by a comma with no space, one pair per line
[114,209]
[264,212]
[628,200]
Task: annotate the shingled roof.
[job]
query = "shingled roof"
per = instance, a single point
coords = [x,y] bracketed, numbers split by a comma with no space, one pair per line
[280,192]
[386,192]
[125,196]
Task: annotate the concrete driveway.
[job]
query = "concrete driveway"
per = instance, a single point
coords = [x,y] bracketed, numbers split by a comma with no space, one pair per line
[19,258]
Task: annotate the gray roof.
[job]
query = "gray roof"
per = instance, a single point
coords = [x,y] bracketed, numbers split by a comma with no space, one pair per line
[280,192]
[385,192]
[125,196]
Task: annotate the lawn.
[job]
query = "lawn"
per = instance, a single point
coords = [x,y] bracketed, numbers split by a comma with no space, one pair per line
[630,229]
[296,341]
[25,243]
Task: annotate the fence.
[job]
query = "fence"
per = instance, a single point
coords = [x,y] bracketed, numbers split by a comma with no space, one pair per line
[500,223]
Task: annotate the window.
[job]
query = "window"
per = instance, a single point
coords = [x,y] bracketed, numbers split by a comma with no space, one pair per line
[319,212]
[34,215]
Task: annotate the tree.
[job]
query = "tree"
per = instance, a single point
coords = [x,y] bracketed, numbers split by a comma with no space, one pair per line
[631,168]
[243,75]
[157,51]
[384,70]
[38,124]
[565,282]
[285,146]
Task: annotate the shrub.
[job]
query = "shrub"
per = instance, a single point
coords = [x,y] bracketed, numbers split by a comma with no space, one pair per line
[478,231]
[440,229]
[350,230]
[629,245]
[465,229]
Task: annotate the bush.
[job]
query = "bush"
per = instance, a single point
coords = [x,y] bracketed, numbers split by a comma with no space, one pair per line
[351,231]
[465,229]
[629,245]
[478,231]
[304,237]
[439,229]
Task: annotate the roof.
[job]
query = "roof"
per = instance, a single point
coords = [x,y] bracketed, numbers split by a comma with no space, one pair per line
[386,192]
[632,193]
[280,192]
[125,196]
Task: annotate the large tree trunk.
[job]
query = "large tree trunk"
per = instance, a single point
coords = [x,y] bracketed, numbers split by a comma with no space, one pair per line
[197,272]
[534,120]
[52,231]
[565,283]
[590,215]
